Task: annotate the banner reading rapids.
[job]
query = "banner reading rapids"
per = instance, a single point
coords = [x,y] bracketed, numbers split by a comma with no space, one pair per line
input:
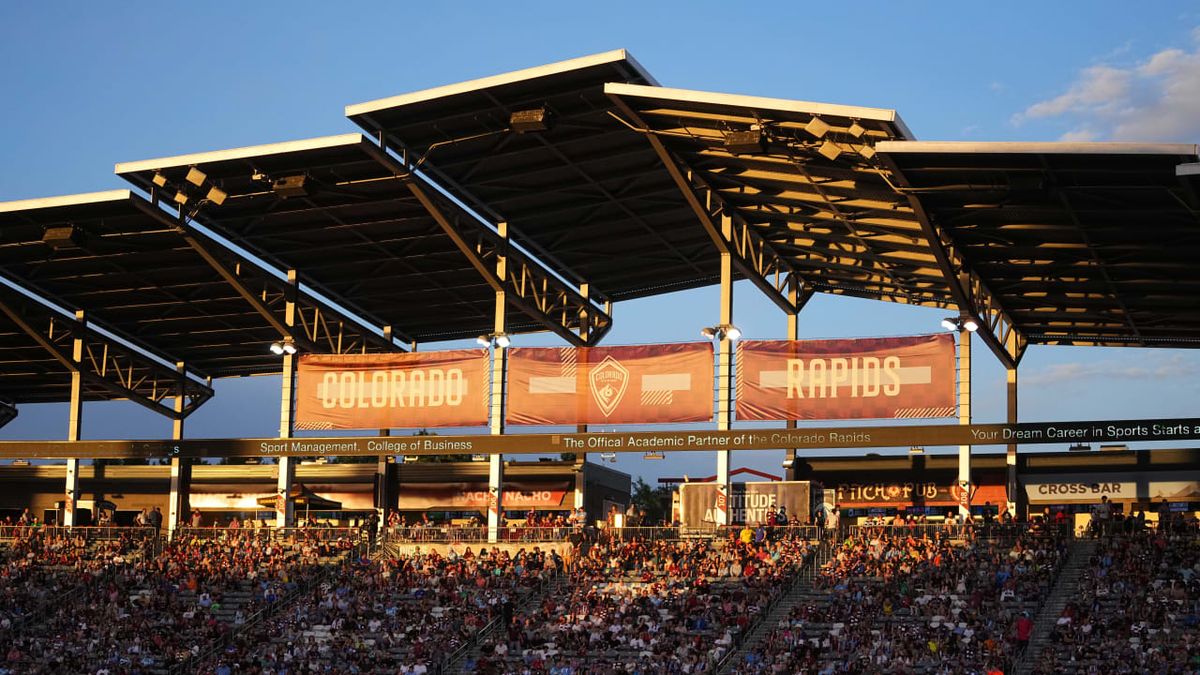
[641,384]
[896,377]
[748,502]
[392,391]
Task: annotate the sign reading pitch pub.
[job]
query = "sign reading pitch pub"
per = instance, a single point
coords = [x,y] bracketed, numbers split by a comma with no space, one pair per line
[389,391]
[640,384]
[863,378]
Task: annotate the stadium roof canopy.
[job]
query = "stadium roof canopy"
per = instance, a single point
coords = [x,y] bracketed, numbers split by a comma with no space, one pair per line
[572,184]
[359,228]
[1082,243]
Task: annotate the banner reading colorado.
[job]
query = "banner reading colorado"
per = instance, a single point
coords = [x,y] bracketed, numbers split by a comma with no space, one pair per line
[392,391]
[641,384]
[895,377]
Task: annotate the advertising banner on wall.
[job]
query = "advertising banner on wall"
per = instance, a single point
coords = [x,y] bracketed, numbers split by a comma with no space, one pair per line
[748,502]
[863,378]
[905,494]
[640,384]
[392,391]
[1085,488]
[473,496]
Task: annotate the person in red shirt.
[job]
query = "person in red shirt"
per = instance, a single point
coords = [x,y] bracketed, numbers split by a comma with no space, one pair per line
[1024,630]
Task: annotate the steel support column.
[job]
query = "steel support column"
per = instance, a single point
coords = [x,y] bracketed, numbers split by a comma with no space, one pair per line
[725,378]
[74,424]
[383,492]
[798,296]
[495,515]
[964,417]
[284,506]
[581,458]
[1015,500]
[181,471]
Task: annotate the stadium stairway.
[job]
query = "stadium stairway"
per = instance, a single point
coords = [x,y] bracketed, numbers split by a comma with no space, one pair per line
[470,652]
[1065,588]
[801,588]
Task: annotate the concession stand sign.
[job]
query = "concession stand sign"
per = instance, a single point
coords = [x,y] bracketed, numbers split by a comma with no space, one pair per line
[892,377]
[392,391]
[639,384]
[474,496]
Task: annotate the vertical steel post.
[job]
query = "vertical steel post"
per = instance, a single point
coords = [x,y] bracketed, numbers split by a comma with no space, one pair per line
[725,375]
[181,469]
[284,506]
[793,333]
[581,458]
[74,424]
[495,519]
[1013,487]
[964,417]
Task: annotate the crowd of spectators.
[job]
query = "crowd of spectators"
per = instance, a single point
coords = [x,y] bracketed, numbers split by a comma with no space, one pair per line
[1137,607]
[394,614]
[915,603]
[632,605]
[125,611]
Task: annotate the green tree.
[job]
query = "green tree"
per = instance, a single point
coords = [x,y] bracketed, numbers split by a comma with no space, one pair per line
[655,502]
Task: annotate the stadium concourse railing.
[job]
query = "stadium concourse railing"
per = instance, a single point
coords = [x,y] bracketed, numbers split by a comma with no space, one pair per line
[470,534]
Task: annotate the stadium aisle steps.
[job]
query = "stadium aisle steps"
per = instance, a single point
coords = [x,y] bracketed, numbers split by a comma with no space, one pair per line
[524,605]
[1078,556]
[800,590]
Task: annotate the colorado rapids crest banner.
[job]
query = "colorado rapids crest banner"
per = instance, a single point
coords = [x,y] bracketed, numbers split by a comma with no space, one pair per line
[641,384]
[894,377]
[392,391]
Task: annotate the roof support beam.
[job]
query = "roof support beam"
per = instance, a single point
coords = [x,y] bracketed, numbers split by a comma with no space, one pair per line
[526,284]
[117,368]
[8,411]
[318,327]
[972,296]
[751,254]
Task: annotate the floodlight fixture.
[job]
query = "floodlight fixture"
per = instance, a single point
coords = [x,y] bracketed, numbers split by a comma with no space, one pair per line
[829,150]
[292,186]
[285,346]
[216,195]
[500,340]
[181,197]
[721,332]
[817,127]
[277,348]
[195,176]
[484,340]
[159,180]
[750,142]
[960,323]
[857,130]
[503,341]
[536,119]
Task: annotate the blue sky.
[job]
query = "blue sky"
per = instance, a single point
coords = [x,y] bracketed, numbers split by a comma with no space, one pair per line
[90,84]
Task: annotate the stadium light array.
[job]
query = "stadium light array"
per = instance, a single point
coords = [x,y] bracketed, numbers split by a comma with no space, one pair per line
[721,332]
[500,340]
[957,323]
[284,346]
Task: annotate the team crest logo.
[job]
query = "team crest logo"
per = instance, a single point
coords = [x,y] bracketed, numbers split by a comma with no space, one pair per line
[609,381]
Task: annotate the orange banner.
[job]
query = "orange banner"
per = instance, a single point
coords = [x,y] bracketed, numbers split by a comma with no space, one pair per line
[518,495]
[896,377]
[392,391]
[642,384]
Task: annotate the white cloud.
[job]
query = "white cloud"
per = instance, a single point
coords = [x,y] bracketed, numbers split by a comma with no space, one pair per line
[1157,99]
[1153,368]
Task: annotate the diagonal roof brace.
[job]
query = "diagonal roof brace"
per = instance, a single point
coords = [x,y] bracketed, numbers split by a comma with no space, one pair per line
[972,296]
[320,328]
[8,411]
[527,284]
[109,363]
[751,254]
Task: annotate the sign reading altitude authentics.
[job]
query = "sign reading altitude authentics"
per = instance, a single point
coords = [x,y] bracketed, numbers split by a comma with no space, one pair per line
[748,502]
[641,384]
[895,377]
[392,391]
